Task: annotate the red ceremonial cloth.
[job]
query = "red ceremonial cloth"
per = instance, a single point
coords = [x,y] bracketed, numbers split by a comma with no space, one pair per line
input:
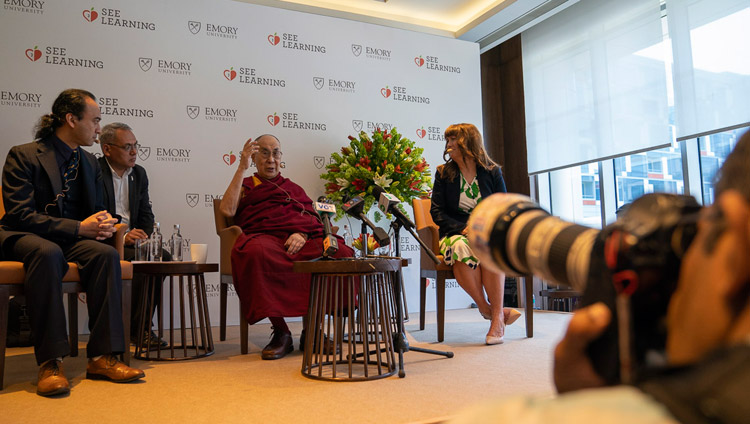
[269,211]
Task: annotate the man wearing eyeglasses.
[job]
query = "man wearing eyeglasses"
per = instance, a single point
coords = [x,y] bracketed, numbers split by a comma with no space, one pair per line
[126,198]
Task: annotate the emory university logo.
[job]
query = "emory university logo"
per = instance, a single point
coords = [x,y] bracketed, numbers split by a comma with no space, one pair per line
[33,54]
[357,125]
[356,49]
[273,39]
[192,199]
[318,82]
[144,152]
[193,111]
[90,15]
[145,63]
[319,161]
[194,27]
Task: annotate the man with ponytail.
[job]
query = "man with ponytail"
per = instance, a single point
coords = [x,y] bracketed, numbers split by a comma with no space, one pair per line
[55,214]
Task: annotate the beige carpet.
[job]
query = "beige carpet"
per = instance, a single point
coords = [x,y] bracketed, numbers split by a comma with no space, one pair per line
[232,388]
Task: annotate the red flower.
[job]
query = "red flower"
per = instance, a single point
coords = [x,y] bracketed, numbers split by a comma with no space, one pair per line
[385,162]
[359,184]
[352,138]
[334,169]
[421,166]
[368,145]
[408,150]
[345,151]
[398,169]
[332,188]
[365,161]
[387,136]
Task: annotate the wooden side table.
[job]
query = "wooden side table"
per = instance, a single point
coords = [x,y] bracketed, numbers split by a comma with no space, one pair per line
[338,288]
[196,340]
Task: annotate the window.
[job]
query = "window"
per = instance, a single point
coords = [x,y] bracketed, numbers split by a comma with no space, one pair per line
[575,195]
[648,172]
[714,149]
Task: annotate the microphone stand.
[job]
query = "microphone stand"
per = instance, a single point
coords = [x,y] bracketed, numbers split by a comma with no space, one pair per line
[400,343]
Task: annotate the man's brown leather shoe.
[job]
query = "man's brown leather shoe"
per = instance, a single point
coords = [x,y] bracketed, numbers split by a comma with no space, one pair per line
[109,368]
[280,345]
[52,380]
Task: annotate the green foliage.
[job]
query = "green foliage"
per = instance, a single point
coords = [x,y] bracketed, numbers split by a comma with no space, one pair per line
[384,158]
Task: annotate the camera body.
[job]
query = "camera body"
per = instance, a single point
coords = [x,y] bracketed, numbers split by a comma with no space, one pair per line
[636,259]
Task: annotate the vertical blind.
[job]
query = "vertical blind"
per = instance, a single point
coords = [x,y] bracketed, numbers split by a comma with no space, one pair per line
[711,64]
[595,83]
[606,78]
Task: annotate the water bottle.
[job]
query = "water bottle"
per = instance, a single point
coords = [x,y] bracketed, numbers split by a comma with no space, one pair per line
[175,244]
[348,239]
[155,242]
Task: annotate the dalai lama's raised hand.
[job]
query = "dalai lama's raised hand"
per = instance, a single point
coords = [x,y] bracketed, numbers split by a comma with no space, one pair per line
[246,155]
[294,243]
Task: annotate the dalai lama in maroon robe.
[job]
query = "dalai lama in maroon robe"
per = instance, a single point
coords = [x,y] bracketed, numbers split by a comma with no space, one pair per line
[279,226]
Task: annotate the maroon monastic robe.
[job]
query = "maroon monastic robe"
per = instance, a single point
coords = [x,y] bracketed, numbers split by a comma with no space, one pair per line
[269,211]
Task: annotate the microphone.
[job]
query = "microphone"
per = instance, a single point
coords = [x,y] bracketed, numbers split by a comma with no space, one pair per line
[388,204]
[325,210]
[355,207]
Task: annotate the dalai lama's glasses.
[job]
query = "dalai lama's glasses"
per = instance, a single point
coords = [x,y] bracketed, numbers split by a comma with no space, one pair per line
[265,153]
[128,147]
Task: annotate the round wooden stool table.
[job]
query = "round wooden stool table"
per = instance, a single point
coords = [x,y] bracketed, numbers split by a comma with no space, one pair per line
[338,289]
[195,339]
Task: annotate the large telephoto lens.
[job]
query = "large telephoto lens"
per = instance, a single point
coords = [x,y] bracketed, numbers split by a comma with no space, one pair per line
[514,235]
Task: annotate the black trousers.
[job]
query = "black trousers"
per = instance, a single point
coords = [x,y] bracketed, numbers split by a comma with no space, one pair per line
[141,295]
[46,262]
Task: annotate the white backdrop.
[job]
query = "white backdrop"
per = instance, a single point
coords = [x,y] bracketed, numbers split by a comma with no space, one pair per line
[196,78]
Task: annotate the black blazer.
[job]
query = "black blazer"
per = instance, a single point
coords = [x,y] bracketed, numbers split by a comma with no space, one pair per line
[141,215]
[445,196]
[32,183]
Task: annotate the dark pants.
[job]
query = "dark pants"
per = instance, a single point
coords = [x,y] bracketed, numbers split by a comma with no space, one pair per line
[141,295]
[46,262]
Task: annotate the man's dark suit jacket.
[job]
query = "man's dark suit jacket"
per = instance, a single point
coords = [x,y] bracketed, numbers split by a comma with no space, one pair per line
[32,182]
[141,215]
[445,196]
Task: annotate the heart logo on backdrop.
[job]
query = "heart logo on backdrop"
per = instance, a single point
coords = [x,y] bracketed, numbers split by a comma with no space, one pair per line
[385,92]
[230,73]
[421,132]
[90,15]
[273,119]
[33,54]
[419,61]
[229,158]
[273,39]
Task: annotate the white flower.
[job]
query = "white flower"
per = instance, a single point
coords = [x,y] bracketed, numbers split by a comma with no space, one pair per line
[342,182]
[382,181]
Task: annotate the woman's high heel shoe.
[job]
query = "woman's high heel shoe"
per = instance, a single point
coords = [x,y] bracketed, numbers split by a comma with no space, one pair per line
[494,340]
[511,317]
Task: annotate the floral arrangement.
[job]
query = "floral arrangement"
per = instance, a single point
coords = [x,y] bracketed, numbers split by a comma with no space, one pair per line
[371,243]
[386,159]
